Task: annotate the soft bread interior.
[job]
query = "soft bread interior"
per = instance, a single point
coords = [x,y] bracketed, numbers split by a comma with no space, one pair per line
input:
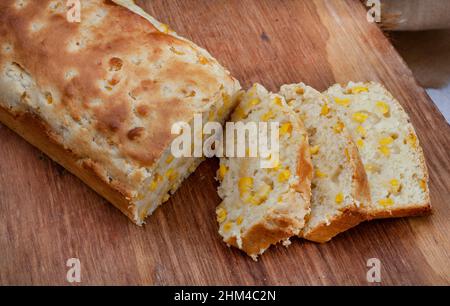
[388,145]
[254,197]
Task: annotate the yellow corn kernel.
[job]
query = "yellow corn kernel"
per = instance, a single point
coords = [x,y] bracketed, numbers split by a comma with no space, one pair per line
[203,60]
[226,99]
[239,220]
[359,89]
[212,115]
[314,150]
[154,184]
[385,141]
[245,184]
[254,101]
[339,198]
[361,131]
[221,214]
[284,175]
[170,159]
[347,154]
[325,110]
[360,117]
[395,185]
[278,101]
[360,143]
[423,185]
[165,28]
[299,91]
[176,51]
[385,150]
[383,107]
[222,171]
[286,128]
[342,102]
[320,174]
[280,199]
[239,113]
[267,116]
[166,197]
[171,174]
[386,202]
[254,200]
[227,226]
[339,127]
[140,196]
[412,140]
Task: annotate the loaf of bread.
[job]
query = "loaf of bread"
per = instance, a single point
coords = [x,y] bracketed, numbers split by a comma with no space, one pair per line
[340,190]
[100,96]
[388,146]
[264,206]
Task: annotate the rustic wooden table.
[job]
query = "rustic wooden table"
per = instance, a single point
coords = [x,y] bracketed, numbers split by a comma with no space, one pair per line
[48,215]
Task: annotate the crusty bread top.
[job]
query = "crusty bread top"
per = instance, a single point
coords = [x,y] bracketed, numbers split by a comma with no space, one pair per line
[111,86]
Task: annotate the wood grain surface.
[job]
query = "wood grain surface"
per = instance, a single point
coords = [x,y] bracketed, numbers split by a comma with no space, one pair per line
[48,216]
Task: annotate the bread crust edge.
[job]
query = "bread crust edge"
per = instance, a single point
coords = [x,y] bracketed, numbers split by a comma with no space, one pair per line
[37,133]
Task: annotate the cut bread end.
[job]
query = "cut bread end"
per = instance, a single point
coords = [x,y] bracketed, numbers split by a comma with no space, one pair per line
[389,148]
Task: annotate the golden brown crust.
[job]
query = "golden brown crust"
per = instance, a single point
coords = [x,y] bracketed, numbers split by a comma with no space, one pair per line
[324,232]
[273,229]
[410,211]
[352,215]
[37,133]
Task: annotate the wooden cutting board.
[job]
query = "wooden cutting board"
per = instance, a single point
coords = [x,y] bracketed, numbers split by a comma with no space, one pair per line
[48,216]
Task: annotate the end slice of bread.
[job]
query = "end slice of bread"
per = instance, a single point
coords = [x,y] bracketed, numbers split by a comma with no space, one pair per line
[340,188]
[388,146]
[264,206]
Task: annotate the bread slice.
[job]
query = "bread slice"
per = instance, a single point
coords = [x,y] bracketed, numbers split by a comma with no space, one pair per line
[388,146]
[261,206]
[339,188]
[102,100]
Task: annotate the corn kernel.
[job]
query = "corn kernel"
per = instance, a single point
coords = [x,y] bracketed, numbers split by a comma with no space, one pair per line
[222,171]
[140,196]
[239,220]
[267,116]
[211,116]
[286,128]
[239,113]
[170,159]
[156,180]
[423,185]
[339,127]
[245,184]
[299,91]
[227,226]
[203,60]
[325,110]
[412,140]
[166,197]
[383,107]
[171,174]
[360,117]
[385,150]
[386,202]
[320,174]
[254,102]
[278,101]
[314,150]
[221,215]
[385,141]
[395,185]
[361,131]
[359,89]
[280,199]
[226,99]
[284,175]
[176,51]
[342,102]
[339,198]
[360,143]
[347,154]
[165,28]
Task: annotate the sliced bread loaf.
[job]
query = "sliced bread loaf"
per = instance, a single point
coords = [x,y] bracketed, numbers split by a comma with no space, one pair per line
[264,206]
[388,146]
[339,187]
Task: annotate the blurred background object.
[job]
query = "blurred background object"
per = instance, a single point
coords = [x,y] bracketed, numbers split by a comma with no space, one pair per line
[420,31]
